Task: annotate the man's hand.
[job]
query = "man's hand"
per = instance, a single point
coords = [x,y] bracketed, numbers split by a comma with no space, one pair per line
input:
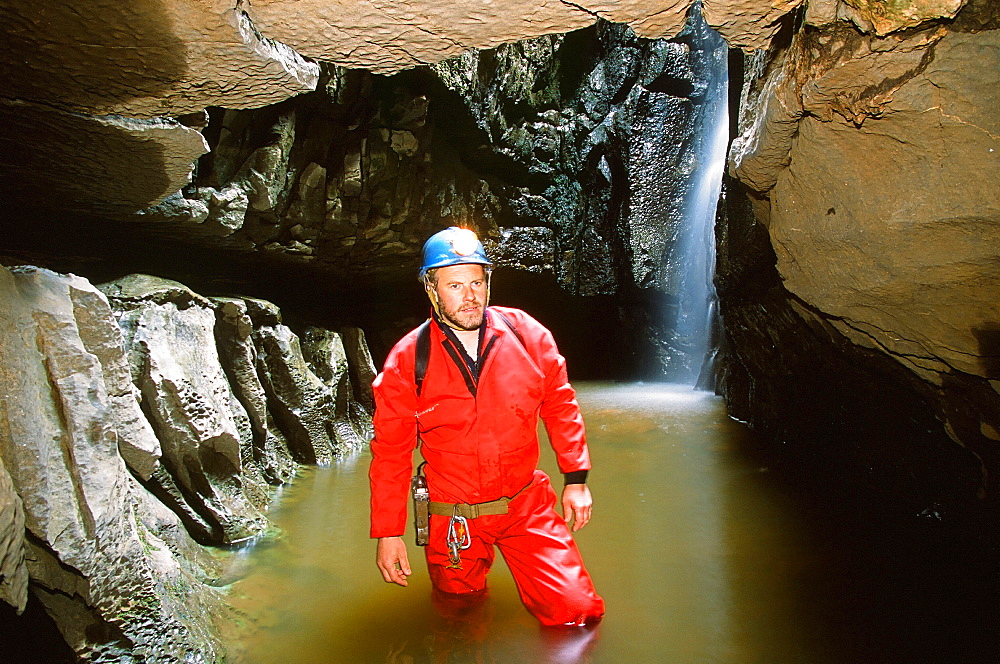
[392,561]
[577,503]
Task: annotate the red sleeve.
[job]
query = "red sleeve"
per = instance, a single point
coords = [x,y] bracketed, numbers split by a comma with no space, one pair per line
[395,424]
[560,411]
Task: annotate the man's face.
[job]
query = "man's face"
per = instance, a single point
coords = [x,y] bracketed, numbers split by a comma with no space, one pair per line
[461,293]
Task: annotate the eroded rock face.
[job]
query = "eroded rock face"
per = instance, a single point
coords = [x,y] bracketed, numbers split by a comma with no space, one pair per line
[123,439]
[170,334]
[872,164]
[269,453]
[118,573]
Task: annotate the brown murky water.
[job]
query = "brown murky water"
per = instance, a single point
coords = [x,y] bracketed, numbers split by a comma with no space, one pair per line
[699,554]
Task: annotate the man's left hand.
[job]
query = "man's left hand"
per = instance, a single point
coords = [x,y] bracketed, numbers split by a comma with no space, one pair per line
[577,504]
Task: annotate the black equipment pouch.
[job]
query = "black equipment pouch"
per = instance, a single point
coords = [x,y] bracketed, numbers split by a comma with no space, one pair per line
[421,506]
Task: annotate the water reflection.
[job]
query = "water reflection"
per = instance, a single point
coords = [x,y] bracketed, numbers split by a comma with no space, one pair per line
[699,554]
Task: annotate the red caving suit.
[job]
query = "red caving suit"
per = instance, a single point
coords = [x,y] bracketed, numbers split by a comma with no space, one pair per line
[480,441]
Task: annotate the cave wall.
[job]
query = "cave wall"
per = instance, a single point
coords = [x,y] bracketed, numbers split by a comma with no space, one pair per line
[858,263]
[572,155]
[140,423]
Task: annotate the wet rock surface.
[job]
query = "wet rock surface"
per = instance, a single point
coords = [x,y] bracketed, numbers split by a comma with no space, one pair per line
[866,170]
[125,441]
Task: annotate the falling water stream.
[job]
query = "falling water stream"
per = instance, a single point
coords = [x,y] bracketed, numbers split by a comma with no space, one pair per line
[703,552]
[690,263]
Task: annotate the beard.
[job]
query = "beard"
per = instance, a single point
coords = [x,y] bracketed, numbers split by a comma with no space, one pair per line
[464,320]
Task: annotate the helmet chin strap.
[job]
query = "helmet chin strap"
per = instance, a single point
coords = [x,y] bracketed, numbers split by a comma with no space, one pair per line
[432,295]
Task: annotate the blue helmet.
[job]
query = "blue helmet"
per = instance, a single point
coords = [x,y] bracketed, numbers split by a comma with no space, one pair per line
[453,246]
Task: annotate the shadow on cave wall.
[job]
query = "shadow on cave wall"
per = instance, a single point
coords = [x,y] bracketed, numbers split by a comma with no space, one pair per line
[136,38]
[988,337]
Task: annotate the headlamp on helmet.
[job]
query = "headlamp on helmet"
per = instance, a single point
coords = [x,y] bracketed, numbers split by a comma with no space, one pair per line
[453,246]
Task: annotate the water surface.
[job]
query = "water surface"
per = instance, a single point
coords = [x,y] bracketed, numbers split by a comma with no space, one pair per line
[699,554]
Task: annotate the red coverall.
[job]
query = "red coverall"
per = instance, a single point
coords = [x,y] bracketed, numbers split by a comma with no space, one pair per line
[480,444]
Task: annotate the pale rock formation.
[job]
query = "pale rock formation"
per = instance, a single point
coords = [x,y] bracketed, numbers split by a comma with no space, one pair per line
[269,453]
[110,553]
[327,358]
[202,427]
[117,572]
[301,404]
[13,571]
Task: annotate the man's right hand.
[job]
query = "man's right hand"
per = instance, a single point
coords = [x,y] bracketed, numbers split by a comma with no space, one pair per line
[392,561]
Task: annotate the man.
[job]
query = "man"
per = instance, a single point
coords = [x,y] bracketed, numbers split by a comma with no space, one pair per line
[473,402]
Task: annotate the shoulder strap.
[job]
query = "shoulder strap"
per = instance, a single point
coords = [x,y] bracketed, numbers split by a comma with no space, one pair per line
[423,354]
[424,347]
[509,324]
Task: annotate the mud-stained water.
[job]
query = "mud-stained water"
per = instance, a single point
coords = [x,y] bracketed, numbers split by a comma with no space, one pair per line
[700,555]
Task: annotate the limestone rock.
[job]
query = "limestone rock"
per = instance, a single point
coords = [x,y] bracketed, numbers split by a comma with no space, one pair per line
[269,452]
[301,404]
[385,38]
[871,167]
[13,571]
[886,17]
[93,551]
[362,368]
[849,244]
[202,427]
[145,59]
[748,24]
[86,163]
[324,351]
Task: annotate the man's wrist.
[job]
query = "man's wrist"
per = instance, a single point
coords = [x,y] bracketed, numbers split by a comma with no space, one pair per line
[575,477]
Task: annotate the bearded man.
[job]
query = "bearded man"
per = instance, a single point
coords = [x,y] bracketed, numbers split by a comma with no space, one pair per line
[468,386]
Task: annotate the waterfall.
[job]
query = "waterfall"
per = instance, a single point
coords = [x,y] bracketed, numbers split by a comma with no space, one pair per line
[690,323]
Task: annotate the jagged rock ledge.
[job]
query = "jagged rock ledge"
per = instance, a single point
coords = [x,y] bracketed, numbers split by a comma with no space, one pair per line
[139,423]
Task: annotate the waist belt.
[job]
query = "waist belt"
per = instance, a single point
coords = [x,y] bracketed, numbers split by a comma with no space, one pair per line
[474,510]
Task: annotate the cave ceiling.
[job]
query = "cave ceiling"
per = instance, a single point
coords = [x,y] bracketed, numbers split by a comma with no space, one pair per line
[104,102]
